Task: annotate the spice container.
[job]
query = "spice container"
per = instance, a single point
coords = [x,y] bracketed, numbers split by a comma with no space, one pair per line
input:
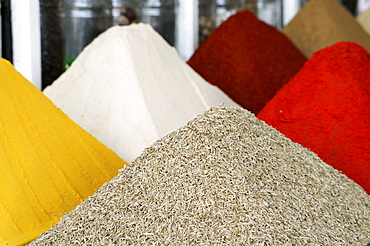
[125,12]
[161,15]
[83,20]
[213,12]
[268,11]
[207,17]
[51,41]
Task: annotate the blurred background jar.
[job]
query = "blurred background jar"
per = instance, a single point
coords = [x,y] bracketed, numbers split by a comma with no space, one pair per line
[269,11]
[161,15]
[125,12]
[51,41]
[67,26]
[182,23]
[83,20]
[213,12]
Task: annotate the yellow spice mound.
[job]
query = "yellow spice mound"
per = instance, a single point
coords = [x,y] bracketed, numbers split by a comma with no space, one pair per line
[48,164]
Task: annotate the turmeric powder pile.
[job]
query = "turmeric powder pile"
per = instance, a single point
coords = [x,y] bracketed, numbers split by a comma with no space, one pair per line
[48,164]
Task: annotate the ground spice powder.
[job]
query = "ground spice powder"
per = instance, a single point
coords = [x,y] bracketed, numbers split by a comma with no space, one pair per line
[325,107]
[129,87]
[322,23]
[225,178]
[364,20]
[48,164]
[247,59]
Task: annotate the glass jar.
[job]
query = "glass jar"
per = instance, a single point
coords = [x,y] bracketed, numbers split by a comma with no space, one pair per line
[83,20]
[161,15]
[268,11]
[213,12]
[207,18]
[226,8]
[125,12]
[51,41]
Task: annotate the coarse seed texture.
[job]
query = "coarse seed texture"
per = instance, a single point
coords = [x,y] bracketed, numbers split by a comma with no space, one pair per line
[225,178]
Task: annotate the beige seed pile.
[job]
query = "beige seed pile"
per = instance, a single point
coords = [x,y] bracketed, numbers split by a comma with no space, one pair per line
[225,178]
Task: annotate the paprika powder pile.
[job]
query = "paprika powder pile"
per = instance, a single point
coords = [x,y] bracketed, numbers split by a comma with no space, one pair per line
[326,108]
[322,23]
[247,59]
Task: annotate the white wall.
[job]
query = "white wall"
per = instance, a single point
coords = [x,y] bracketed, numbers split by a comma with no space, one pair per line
[26,39]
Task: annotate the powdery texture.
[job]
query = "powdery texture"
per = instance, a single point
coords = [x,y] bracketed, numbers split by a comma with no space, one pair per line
[325,107]
[322,23]
[48,164]
[247,59]
[225,178]
[364,20]
[129,88]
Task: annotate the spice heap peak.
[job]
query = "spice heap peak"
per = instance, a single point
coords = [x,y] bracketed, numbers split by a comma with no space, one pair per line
[225,178]
[48,164]
[128,88]
[322,23]
[247,59]
[325,107]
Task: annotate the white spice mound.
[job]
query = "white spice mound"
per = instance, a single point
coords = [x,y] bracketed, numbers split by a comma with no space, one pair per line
[225,178]
[129,87]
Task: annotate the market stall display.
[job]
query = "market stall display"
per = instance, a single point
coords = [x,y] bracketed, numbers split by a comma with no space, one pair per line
[262,147]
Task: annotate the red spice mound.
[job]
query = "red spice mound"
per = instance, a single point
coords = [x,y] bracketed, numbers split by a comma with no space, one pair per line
[326,108]
[247,59]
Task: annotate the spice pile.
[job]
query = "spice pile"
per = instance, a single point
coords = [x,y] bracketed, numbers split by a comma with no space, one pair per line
[322,23]
[247,59]
[225,178]
[129,88]
[325,107]
[364,20]
[48,164]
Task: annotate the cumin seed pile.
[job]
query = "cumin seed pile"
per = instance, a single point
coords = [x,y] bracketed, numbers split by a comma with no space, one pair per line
[225,178]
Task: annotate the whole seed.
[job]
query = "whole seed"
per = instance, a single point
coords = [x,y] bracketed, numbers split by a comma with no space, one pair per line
[225,178]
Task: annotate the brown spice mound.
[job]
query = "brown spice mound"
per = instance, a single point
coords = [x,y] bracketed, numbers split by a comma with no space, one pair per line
[225,178]
[322,23]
